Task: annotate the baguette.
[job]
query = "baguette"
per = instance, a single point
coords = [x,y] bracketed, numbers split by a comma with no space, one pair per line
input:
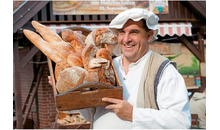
[50,36]
[44,46]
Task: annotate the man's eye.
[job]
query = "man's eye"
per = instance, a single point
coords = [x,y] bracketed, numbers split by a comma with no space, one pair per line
[135,32]
[121,32]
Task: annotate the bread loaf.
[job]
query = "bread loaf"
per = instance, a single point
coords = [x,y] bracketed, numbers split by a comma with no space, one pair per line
[93,75]
[87,54]
[68,35]
[78,45]
[64,51]
[75,39]
[50,36]
[75,59]
[101,36]
[107,69]
[60,66]
[71,77]
[81,36]
[104,53]
[49,50]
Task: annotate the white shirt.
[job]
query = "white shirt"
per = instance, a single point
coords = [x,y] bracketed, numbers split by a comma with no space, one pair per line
[172,100]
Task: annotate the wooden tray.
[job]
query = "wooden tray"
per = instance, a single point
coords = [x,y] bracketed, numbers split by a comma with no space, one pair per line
[85,95]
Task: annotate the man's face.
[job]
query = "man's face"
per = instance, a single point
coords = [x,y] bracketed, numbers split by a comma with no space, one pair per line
[133,40]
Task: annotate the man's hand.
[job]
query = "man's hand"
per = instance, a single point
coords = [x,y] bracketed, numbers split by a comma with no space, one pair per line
[50,80]
[122,108]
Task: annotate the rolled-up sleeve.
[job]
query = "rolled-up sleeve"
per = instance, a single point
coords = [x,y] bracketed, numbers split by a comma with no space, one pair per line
[173,102]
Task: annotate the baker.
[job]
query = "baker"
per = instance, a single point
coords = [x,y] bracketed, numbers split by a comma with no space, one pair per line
[155,95]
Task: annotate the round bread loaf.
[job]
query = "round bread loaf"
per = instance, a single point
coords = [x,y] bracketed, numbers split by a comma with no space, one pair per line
[71,77]
[60,66]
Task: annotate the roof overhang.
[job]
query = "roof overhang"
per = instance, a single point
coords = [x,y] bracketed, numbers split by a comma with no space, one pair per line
[165,28]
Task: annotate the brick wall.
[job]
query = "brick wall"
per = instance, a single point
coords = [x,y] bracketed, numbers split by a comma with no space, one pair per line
[46,103]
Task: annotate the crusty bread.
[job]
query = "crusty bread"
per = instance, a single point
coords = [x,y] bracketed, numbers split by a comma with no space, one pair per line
[87,54]
[71,77]
[75,59]
[81,36]
[98,35]
[60,66]
[64,51]
[107,69]
[101,36]
[50,36]
[78,45]
[49,50]
[104,53]
[93,75]
[75,39]
[68,35]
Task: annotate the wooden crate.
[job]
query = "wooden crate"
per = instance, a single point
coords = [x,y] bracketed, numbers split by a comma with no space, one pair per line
[85,95]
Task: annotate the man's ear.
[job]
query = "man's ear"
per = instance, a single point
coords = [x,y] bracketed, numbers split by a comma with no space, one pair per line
[150,35]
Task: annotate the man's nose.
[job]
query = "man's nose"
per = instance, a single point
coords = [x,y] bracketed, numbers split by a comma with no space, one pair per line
[126,38]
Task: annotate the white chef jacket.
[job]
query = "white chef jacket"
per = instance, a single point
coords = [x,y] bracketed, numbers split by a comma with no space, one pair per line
[172,99]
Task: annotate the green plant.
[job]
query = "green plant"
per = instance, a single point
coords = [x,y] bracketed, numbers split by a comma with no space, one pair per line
[172,57]
[190,70]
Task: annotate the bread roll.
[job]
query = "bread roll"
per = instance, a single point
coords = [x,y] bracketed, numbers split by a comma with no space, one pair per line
[71,77]
[104,53]
[68,35]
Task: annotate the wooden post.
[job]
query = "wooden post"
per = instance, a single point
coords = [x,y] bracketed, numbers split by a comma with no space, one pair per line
[202,52]
[17,86]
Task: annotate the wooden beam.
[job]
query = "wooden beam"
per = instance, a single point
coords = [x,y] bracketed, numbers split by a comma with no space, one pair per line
[199,6]
[201,47]
[191,47]
[28,56]
[26,12]
[17,86]
[34,93]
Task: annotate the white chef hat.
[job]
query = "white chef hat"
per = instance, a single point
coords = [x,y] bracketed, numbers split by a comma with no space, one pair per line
[136,14]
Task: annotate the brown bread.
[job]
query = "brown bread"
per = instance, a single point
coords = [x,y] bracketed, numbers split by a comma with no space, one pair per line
[71,77]
[60,66]
[75,59]
[49,50]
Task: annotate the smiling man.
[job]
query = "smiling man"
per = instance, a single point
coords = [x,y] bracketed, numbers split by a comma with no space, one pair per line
[155,95]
